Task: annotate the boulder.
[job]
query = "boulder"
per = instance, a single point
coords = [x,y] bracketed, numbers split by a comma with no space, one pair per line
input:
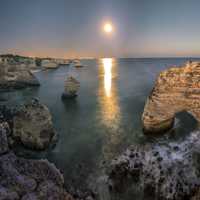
[13,76]
[71,88]
[176,89]
[33,126]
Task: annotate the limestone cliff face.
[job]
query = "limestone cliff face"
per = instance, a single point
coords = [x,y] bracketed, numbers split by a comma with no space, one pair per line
[176,89]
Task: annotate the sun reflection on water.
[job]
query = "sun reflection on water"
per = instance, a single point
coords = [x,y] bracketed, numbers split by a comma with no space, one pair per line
[109,105]
[107,64]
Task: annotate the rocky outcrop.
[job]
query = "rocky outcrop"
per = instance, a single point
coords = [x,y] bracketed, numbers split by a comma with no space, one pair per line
[160,171]
[71,88]
[30,179]
[14,76]
[33,126]
[27,179]
[176,89]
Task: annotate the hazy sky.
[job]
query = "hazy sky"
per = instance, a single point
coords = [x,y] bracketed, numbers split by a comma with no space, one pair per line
[63,28]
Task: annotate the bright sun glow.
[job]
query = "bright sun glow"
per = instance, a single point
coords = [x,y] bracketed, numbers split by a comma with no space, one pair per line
[108,28]
[107,64]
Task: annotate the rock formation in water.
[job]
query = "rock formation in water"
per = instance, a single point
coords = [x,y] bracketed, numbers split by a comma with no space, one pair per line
[176,89]
[14,76]
[49,64]
[71,88]
[33,126]
[77,64]
[160,171]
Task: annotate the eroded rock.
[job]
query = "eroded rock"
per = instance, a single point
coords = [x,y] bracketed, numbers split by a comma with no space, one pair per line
[176,89]
[163,171]
[30,179]
[33,126]
[71,88]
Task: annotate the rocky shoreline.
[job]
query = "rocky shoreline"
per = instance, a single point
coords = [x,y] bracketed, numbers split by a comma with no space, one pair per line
[171,170]
[168,171]
[27,179]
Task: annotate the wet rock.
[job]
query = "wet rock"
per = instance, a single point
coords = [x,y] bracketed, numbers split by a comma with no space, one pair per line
[33,126]
[176,89]
[71,88]
[157,172]
[13,76]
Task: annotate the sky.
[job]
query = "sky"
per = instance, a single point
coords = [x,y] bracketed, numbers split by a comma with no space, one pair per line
[73,28]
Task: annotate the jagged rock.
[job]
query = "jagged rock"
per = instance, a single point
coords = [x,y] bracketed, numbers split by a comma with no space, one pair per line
[71,88]
[176,89]
[33,126]
[162,171]
[30,179]
[14,76]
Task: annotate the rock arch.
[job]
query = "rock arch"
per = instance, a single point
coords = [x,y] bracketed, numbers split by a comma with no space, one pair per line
[176,89]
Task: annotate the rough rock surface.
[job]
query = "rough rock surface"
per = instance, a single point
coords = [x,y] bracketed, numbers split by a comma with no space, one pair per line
[162,171]
[27,179]
[71,88]
[33,126]
[30,179]
[176,89]
[14,76]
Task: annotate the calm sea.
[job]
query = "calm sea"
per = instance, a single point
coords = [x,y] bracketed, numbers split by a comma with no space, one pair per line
[106,116]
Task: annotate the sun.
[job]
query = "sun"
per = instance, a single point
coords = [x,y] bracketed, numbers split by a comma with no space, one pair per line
[108,28]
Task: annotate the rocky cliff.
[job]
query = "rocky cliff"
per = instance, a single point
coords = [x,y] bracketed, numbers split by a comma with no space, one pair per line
[176,89]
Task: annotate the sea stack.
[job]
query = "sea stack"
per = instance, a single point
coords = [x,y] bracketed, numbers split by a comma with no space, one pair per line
[176,89]
[71,88]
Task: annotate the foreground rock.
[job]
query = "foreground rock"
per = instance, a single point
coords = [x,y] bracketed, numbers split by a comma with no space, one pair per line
[27,179]
[14,76]
[162,172]
[175,90]
[33,126]
[71,88]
